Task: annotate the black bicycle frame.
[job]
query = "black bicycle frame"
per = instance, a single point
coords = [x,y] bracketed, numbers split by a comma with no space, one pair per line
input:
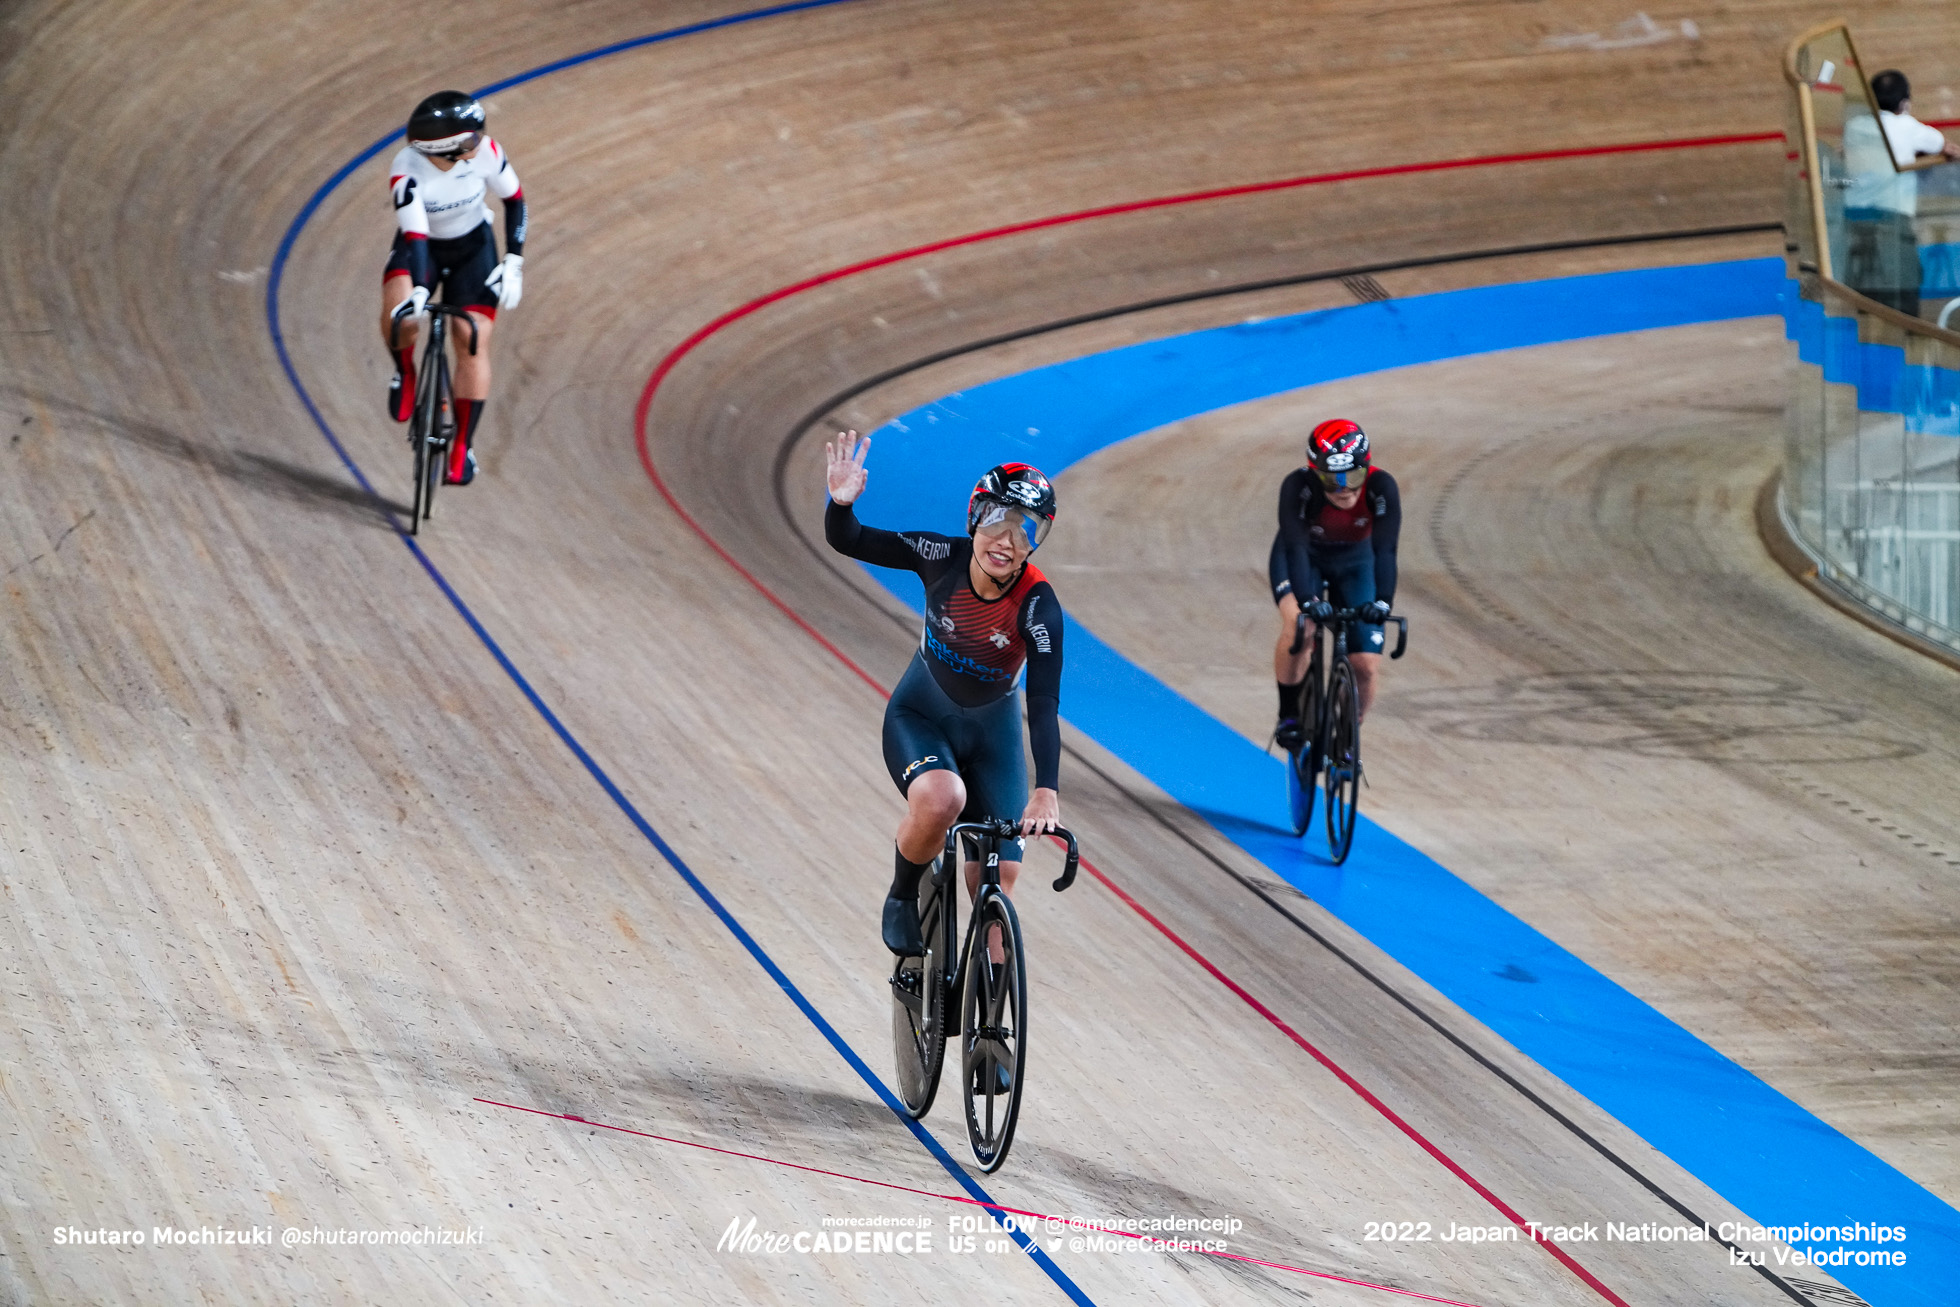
[985,838]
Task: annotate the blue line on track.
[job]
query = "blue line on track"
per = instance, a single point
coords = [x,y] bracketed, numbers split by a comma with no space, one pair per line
[598,773]
[1751,1144]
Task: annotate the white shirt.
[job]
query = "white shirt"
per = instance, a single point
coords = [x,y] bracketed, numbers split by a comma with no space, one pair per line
[1874,182]
[444,205]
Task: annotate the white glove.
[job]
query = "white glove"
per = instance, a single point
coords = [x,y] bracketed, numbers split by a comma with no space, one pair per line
[507,279]
[415,305]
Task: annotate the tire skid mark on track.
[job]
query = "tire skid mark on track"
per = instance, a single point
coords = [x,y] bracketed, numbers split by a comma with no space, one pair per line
[1544,637]
[1929,847]
[598,774]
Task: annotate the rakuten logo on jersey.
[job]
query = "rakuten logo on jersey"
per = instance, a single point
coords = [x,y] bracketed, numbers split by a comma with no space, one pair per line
[959,662]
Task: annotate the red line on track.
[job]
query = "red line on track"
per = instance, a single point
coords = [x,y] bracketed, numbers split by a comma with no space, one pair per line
[703,333]
[1070,1222]
[1449,1163]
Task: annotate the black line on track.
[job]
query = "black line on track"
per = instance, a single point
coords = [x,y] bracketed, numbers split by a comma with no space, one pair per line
[778,474]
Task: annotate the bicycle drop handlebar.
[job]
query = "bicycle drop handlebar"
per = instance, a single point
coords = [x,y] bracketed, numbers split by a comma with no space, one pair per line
[395,327]
[1350,615]
[1011,830]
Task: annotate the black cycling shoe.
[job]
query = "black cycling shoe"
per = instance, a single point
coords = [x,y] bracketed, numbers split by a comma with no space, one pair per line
[1289,734]
[902,934]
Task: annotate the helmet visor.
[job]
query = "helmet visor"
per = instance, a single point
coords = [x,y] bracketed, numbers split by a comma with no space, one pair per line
[997,519]
[449,146]
[1351,478]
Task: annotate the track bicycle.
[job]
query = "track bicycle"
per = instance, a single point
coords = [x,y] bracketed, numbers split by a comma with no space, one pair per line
[432,424]
[1329,756]
[992,995]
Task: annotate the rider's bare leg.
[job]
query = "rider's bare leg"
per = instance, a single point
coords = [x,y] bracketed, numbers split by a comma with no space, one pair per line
[933,802]
[1365,666]
[393,291]
[1289,668]
[472,371]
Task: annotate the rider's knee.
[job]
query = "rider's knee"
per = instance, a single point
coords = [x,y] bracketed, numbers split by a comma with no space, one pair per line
[940,795]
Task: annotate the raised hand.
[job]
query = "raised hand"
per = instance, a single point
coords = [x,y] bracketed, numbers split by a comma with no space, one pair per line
[845,474]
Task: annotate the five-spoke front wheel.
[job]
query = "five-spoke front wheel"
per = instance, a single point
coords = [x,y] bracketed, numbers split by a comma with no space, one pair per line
[993,1036]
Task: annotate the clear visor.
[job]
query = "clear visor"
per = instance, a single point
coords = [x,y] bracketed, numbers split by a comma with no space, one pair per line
[1347,479]
[461,143]
[998,519]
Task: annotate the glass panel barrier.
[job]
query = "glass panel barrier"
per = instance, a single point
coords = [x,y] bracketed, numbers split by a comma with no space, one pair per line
[1937,226]
[1871,483]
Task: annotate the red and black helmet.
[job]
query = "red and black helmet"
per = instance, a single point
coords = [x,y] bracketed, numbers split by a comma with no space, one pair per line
[1338,452]
[1013,492]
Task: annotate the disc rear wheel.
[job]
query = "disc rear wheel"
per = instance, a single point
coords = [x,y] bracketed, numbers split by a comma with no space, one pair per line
[919,1005]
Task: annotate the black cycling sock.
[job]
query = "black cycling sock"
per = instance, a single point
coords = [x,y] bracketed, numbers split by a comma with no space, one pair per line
[1289,698]
[905,875]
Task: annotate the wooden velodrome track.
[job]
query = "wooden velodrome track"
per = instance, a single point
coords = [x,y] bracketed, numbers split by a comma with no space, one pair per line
[296,877]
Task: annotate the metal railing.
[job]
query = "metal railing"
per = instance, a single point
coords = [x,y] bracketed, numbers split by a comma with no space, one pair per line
[1871,479]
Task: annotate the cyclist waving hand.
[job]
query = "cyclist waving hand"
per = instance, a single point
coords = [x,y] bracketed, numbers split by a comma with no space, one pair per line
[445,242]
[952,733]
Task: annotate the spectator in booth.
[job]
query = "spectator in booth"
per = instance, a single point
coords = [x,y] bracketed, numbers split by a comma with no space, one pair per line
[1882,250]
